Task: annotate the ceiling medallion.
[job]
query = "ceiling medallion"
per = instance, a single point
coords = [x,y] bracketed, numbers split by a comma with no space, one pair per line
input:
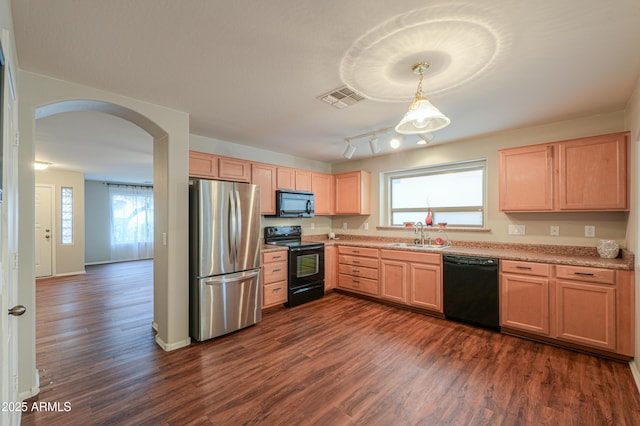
[461,40]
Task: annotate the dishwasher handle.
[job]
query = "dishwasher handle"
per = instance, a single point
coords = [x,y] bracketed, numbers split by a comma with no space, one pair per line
[469,260]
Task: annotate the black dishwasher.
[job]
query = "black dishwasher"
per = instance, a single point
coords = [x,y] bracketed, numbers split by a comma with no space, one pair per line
[470,292]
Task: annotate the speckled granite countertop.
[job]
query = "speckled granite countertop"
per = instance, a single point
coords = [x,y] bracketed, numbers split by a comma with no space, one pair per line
[560,255]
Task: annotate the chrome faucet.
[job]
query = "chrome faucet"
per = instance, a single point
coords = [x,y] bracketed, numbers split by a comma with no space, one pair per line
[421,232]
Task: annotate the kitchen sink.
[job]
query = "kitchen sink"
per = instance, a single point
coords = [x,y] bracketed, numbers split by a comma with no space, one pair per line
[425,246]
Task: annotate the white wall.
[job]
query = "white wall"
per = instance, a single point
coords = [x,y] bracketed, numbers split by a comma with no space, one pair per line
[608,225]
[97,223]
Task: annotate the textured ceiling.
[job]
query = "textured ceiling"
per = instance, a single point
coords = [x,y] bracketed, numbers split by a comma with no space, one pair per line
[249,72]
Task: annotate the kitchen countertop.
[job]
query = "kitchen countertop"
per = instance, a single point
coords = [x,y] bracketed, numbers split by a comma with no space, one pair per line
[560,255]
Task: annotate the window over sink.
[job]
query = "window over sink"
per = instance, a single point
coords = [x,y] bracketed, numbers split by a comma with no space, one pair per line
[454,193]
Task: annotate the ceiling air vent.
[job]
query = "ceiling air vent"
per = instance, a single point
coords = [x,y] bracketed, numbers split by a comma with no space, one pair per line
[341,97]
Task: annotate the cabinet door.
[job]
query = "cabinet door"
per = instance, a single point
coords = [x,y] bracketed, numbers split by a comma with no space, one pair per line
[234,170]
[526,178]
[303,180]
[353,191]
[593,173]
[330,267]
[425,284]
[586,314]
[322,188]
[524,303]
[264,175]
[393,276]
[286,179]
[203,165]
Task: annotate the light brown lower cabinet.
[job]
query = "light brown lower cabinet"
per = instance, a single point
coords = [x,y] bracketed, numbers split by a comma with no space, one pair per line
[358,270]
[524,296]
[330,267]
[411,278]
[585,306]
[274,278]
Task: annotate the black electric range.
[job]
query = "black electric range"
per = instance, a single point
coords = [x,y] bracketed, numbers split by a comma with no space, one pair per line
[306,263]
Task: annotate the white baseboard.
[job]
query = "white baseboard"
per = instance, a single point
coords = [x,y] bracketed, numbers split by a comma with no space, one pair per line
[636,373]
[70,273]
[172,346]
[35,389]
[154,326]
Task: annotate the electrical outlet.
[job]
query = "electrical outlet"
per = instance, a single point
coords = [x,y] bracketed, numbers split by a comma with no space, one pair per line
[344,225]
[313,225]
[589,231]
[555,231]
[366,226]
[516,230]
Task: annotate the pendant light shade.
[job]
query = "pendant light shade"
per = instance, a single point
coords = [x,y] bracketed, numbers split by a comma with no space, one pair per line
[422,116]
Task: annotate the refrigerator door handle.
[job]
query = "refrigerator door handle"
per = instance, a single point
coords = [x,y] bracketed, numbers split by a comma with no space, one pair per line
[233,216]
[241,276]
[238,232]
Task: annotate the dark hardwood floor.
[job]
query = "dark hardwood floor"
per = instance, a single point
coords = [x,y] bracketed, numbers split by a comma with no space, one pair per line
[335,361]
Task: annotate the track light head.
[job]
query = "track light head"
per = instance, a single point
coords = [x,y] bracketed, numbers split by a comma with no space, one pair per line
[349,150]
[373,144]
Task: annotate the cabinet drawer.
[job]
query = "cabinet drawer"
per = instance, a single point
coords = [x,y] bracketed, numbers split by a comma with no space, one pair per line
[363,285]
[412,256]
[526,268]
[358,251]
[358,271]
[275,271]
[274,256]
[367,262]
[579,273]
[274,293]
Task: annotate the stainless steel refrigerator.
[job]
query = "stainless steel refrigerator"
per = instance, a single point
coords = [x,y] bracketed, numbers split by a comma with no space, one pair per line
[224,291]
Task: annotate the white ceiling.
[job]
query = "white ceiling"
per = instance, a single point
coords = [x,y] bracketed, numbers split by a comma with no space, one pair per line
[250,72]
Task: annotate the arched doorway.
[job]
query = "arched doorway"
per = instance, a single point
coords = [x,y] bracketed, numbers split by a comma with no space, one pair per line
[42,96]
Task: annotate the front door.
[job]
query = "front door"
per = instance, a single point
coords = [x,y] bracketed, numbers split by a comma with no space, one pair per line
[44,242]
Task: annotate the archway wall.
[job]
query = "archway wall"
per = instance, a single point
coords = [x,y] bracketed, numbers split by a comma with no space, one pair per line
[170,129]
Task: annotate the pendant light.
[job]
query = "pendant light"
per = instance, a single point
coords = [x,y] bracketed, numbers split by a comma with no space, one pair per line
[422,116]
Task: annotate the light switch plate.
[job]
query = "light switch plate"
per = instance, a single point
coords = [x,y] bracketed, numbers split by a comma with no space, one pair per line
[555,231]
[516,230]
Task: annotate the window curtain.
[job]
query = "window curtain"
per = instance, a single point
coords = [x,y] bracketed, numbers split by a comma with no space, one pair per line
[131,222]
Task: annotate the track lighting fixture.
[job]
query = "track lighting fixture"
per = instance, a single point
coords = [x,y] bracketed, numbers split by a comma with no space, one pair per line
[373,144]
[349,150]
[425,138]
[395,142]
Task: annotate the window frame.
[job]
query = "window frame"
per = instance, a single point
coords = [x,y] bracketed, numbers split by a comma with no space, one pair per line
[66,223]
[443,168]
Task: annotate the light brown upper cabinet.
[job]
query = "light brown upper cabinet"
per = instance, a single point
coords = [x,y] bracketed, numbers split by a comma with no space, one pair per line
[586,174]
[353,193]
[203,165]
[210,166]
[303,180]
[234,169]
[526,178]
[264,175]
[286,178]
[593,173]
[322,188]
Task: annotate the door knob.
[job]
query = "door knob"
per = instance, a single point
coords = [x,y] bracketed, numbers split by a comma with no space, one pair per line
[47,236]
[17,310]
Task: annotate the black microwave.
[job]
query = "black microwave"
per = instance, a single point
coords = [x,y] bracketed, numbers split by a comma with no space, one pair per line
[294,204]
